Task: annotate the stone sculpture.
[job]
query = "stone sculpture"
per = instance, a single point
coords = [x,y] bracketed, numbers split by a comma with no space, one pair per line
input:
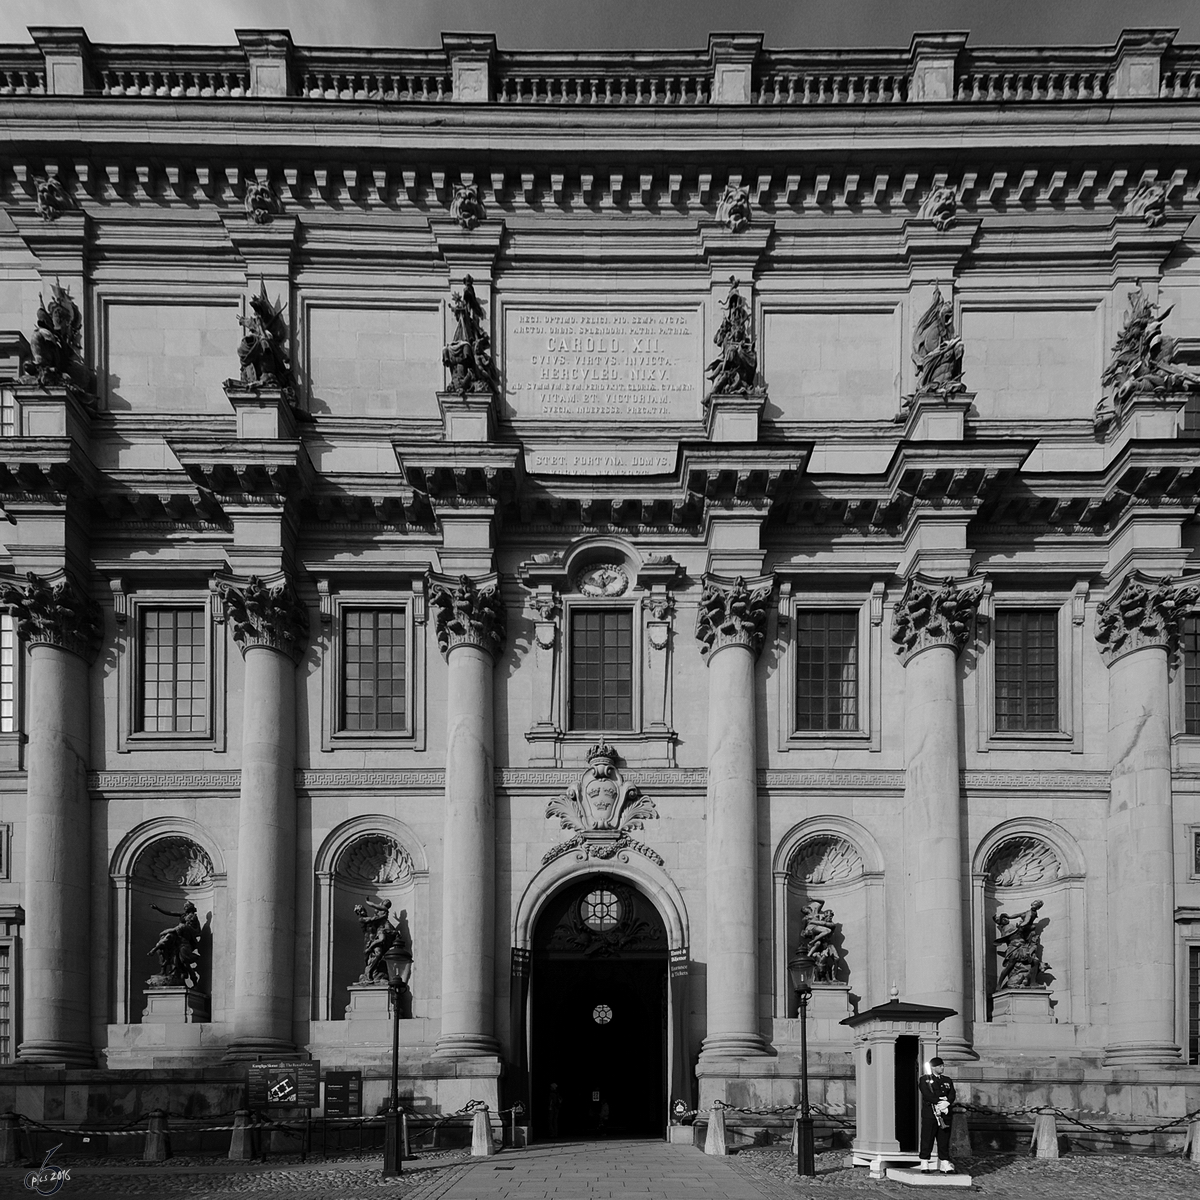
[1019,944]
[468,613]
[734,207]
[379,936]
[816,929]
[274,617]
[940,207]
[732,614]
[60,614]
[735,370]
[261,202]
[1142,361]
[468,356]
[263,350]
[51,198]
[1143,614]
[937,353]
[938,615]
[1148,201]
[466,206]
[56,344]
[178,949]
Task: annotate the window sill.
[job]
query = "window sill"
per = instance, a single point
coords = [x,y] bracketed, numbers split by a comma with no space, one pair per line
[169,741]
[388,739]
[645,748]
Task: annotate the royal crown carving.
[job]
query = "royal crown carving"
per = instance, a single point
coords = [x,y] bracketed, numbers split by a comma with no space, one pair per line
[466,613]
[931,614]
[266,615]
[601,810]
[733,615]
[1143,612]
[55,614]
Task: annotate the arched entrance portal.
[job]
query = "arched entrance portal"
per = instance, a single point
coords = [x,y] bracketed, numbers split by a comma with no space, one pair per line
[598,993]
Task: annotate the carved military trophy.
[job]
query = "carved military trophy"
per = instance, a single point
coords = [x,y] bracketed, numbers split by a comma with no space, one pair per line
[939,402]
[738,395]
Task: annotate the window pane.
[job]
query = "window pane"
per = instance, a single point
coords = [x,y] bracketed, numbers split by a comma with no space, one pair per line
[1191,675]
[8,674]
[1026,645]
[172,693]
[602,669]
[826,669]
[374,647]
[6,1013]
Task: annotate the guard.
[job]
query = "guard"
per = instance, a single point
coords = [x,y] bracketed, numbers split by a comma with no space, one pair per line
[937,1100]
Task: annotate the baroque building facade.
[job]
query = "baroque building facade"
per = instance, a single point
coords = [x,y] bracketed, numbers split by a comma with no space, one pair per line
[604,522]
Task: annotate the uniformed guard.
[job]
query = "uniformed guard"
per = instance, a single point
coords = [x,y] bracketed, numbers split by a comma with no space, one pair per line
[937,1112]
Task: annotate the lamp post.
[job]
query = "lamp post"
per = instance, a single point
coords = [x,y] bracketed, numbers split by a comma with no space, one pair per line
[801,971]
[398,959]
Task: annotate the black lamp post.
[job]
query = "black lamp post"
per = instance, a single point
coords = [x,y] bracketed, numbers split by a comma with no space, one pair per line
[801,970]
[398,959]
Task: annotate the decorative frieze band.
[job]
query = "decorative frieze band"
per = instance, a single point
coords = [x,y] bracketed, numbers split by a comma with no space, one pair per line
[55,614]
[1142,612]
[269,615]
[468,612]
[733,613]
[934,614]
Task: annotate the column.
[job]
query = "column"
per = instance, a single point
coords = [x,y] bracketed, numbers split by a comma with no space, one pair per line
[470,622]
[730,627]
[930,627]
[1136,628]
[62,626]
[270,625]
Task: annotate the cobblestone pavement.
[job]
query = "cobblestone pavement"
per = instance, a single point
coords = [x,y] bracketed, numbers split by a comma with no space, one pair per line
[999,1176]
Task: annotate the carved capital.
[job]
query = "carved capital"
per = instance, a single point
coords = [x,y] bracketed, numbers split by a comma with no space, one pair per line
[1142,612]
[269,615]
[55,614]
[934,614]
[468,612]
[733,614]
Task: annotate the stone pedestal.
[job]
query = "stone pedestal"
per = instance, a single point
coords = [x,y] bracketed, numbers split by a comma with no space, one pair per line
[938,418]
[49,412]
[176,1005]
[1022,1006]
[734,418]
[1149,416]
[263,414]
[467,416]
[369,1014]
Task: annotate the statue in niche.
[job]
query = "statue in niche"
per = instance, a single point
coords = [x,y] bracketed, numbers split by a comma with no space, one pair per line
[178,949]
[468,357]
[1019,943]
[816,930]
[937,352]
[263,350]
[56,344]
[379,936]
[735,369]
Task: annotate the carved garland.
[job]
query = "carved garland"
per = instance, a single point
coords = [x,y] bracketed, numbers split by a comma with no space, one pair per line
[273,617]
[466,614]
[55,614]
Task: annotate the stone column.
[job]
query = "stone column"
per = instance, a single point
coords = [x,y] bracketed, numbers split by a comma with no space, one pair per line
[470,622]
[1136,628]
[270,625]
[930,627]
[730,626]
[62,626]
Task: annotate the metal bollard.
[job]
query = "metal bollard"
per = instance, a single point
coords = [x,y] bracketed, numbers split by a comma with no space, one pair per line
[1045,1136]
[715,1143]
[481,1135]
[10,1133]
[158,1139]
[241,1140]
[404,1150]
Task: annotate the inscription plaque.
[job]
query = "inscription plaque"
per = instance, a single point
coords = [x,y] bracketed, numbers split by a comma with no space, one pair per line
[603,364]
[598,460]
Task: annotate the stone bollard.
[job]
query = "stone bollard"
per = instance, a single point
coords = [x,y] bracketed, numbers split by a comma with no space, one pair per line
[241,1141]
[481,1135]
[1045,1136]
[714,1143]
[795,1137]
[158,1140]
[960,1137]
[10,1133]
[1191,1148]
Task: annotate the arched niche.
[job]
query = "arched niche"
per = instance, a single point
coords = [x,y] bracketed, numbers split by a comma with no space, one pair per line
[834,860]
[165,862]
[1015,863]
[372,858]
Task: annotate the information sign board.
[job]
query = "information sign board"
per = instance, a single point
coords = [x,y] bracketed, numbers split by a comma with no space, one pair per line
[343,1093]
[295,1084]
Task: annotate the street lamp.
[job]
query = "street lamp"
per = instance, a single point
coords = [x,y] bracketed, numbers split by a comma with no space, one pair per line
[398,959]
[801,970]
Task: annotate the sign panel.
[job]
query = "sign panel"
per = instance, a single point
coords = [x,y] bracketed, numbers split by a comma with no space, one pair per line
[343,1093]
[604,365]
[296,1084]
[593,459]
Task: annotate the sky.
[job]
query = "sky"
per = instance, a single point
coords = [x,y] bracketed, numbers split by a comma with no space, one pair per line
[604,24]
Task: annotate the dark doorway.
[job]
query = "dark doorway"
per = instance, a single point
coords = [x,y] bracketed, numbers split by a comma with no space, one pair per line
[908,1053]
[599,1012]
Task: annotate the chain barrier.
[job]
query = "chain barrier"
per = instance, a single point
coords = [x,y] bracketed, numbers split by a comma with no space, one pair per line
[1066,1115]
[823,1110]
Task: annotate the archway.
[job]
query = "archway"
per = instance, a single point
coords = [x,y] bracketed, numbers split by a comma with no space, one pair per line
[598,995]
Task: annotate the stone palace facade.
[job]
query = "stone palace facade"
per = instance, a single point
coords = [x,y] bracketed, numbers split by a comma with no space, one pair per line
[628,517]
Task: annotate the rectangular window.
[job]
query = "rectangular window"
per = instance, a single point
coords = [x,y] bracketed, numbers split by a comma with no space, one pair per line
[8,413]
[374,649]
[1194,1005]
[1191,675]
[6,1008]
[8,675]
[826,670]
[602,669]
[172,685]
[1026,646]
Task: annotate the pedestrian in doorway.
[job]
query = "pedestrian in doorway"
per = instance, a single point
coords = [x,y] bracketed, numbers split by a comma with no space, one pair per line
[602,1124]
[553,1108]
[937,1113]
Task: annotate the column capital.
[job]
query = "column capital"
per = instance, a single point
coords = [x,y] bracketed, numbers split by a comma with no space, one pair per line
[934,613]
[1142,612]
[733,613]
[468,612]
[55,612]
[265,613]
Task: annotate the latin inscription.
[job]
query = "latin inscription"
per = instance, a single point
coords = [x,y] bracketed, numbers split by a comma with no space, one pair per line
[600,365]
[599,460]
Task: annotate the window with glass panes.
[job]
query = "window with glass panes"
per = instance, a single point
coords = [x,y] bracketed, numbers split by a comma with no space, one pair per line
[826,670]
[6,1009]
[1191,675]
[602,669]
[8,674]
[1026,669]
[374,660]
[173,676]
[8,413]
